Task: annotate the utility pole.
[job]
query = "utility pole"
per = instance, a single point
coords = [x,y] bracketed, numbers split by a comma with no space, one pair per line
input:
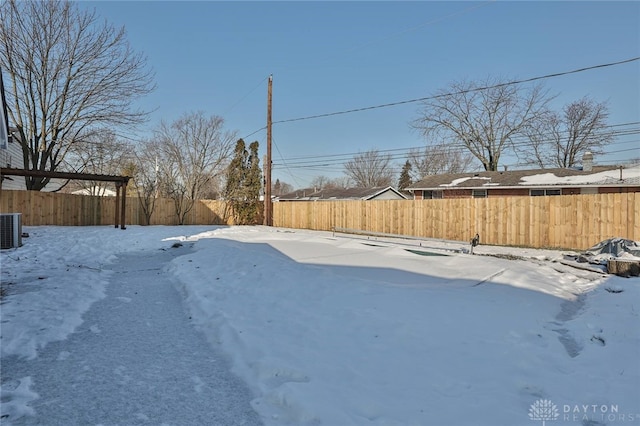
[268,208]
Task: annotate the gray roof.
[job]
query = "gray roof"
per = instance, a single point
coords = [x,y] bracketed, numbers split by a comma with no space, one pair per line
[309,194]
[599,176]
[298,194]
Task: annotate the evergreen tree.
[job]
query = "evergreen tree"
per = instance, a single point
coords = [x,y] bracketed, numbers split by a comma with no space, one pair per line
[244,181]
[235,172]
[253,178]
[252,186]
[405,178]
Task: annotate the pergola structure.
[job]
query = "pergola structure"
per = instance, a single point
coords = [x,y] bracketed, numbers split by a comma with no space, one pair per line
[120,181]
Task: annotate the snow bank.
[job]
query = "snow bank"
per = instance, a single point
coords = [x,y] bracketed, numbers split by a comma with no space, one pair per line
[337,331]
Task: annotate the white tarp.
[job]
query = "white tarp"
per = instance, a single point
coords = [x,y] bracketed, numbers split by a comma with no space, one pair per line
[597,257]
[613,248]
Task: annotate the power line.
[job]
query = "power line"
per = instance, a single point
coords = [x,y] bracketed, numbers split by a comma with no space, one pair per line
[245,96]
[285,164]
[253,133]
[477,89]
[338,163]
[430,22]
[451,147]
[519,140]
[623,150]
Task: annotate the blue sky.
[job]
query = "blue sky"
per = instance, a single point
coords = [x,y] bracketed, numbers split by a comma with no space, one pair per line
[335,56]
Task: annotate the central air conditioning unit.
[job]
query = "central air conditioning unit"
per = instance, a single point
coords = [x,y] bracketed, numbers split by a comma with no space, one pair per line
[10,230]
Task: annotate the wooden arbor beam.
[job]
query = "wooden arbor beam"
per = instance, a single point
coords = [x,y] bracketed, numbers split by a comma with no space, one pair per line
[120,181]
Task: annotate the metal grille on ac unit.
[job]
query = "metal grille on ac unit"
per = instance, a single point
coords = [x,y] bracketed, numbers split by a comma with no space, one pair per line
[10,230]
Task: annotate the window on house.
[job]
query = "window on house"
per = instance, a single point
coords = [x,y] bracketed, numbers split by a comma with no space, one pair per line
[479,193]
[429,195]
[541,192]
[588,190]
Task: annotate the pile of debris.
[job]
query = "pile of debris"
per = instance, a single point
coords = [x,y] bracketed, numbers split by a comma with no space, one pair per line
[614,256]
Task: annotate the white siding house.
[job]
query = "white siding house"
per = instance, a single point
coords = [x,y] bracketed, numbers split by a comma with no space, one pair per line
[11,157]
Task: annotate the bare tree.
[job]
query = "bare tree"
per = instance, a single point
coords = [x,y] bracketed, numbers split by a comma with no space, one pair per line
[370,169]
[143,168]
[438,159]
[340,182]
[280,188]
[99,153]
[483,117]
[68,74]
[322,182]
[192,153]
[561,139]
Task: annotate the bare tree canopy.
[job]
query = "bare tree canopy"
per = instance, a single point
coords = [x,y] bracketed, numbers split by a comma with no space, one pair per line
[143,167]
[370,169]
[68,74]
[281,188]
[438,159]
[484,116]
[562,138]
[192,152]
[99,153]
[340,182]
[322,182]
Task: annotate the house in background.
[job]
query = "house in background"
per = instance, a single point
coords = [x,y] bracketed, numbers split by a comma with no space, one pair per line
[11,157]
[297,195]
[96,190]
[342,194]
[539,182]
[10,149]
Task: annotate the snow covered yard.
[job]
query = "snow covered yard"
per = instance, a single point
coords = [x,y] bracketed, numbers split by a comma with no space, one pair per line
[345,330]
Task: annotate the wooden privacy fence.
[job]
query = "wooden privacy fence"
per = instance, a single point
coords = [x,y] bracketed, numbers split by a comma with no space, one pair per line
[568,221]
[47,208]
